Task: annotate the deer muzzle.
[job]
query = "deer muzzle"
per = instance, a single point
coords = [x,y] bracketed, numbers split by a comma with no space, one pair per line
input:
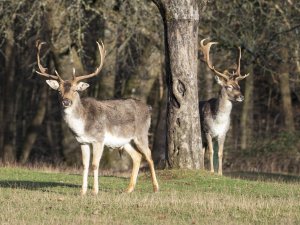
[66,102]
[240,98]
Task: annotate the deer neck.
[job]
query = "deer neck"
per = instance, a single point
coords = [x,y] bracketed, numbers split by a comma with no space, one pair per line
[74,117]
[224,105]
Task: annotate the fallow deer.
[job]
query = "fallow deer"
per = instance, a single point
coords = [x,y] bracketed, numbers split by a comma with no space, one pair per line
[114,123]
[215,113]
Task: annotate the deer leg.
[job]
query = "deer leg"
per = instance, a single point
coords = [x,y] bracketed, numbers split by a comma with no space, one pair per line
[136,162]
[152,170]
[220,154]
[202,155]
[211,152]
[143,147]
[85,149]
[97,154]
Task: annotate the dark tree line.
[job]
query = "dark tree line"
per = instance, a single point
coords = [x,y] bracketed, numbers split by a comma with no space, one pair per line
[141,37]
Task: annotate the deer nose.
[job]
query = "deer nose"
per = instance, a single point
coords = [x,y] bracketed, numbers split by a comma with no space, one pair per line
[66,102]
[240,98]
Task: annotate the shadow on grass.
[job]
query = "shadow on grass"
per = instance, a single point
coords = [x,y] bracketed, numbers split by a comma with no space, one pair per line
[34,185]
[260,176]
[46,186]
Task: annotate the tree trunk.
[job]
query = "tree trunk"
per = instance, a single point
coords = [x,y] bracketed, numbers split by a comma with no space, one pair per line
[247,113]
[32,132]
[119,64]
[140,83]
[209,83]
[9,152]
[160,139]
[183,126]
[286,93]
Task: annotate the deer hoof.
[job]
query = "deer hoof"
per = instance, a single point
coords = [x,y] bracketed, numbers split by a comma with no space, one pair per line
[83,192]
[129,189]
[94,192]
[155,189]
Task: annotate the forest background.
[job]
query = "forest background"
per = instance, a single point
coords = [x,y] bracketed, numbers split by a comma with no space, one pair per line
[264,133]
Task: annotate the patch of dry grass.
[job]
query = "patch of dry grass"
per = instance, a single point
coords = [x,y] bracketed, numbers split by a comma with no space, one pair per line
[186,197]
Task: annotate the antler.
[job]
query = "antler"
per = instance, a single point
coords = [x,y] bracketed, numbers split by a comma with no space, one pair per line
[205,50]
[102,52]
[238,69]
[43,69]
[235,75]
[57,77]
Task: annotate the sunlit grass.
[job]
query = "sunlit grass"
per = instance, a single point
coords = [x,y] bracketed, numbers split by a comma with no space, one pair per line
[185,197]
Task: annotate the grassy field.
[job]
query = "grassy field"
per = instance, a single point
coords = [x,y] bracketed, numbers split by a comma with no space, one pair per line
[39,196]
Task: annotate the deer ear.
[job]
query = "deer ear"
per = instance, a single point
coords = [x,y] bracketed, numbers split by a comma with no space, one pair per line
[81,86]
[53,84]
[220,80]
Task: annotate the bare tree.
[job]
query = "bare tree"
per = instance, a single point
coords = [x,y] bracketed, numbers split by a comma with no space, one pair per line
[9,126]
[287,108]
[247,112]
[180,20]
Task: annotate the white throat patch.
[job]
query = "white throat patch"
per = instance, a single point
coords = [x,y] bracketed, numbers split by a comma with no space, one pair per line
[77,125]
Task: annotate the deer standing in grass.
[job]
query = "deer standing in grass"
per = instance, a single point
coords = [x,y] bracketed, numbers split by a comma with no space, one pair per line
[115,123]
[215,113]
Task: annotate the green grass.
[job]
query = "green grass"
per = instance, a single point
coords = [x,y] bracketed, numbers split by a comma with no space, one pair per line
[33,196]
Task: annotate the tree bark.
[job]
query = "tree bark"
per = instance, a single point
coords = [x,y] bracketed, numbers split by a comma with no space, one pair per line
[33,129]
[140,83]
[181,19]
[284,69]
[209,83]
[286,93]
[160,139]
[247,113]
[9,151]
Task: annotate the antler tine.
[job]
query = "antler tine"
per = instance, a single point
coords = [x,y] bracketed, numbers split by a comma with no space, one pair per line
[242,77]
[205,50]
[238,69]
[74,71]
[43,69]
[102,52]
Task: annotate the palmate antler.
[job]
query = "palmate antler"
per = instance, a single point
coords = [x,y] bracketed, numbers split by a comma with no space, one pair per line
[234,76]
[43,70]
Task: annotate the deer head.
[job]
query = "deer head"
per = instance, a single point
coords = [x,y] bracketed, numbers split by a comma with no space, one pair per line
[228,81]
[68,89]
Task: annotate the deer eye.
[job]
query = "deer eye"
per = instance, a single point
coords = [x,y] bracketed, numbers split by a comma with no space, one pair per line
[229,88]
